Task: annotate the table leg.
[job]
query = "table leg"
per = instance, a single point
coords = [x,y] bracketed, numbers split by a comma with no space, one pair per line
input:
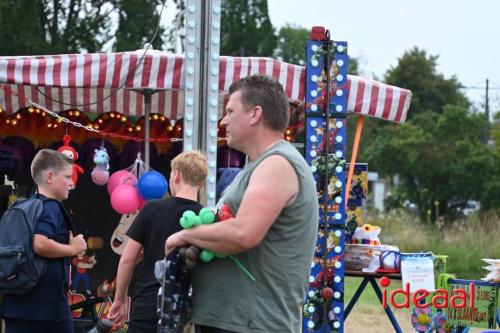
[387,309]
[355,298]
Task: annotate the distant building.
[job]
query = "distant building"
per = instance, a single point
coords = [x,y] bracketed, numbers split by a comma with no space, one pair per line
[376,192]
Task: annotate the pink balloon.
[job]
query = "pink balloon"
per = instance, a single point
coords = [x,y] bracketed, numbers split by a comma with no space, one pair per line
[125,199]
[99,177]
[120,177]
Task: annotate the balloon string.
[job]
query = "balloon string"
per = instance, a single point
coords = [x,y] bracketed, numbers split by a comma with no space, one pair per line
[243,268]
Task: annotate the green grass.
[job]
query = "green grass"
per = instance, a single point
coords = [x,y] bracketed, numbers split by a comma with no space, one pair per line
[369,306]
[368,297]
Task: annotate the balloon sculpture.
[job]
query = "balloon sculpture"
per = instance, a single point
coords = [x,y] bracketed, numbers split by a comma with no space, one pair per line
[69,151]
[173,272]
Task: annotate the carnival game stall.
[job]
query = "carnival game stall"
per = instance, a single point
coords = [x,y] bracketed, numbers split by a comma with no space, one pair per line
[133,105]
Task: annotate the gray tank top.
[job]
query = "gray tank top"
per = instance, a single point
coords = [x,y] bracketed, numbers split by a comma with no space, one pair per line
[224,297]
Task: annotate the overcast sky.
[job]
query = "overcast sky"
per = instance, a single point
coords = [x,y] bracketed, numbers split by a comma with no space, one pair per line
[464,34]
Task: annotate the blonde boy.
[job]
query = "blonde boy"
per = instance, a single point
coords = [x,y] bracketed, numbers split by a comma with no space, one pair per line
[156,221]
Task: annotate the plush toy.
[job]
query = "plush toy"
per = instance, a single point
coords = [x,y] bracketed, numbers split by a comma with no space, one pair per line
[101,158]
[366,234]
[69,151]
[100,173]
[173,272]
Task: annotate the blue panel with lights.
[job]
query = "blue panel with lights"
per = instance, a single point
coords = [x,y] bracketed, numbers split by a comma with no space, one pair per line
[325,150]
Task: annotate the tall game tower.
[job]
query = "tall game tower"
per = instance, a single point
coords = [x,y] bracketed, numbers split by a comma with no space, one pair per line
[325,151]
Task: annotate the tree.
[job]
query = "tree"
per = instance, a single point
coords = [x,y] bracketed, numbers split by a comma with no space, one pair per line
[138,20]
[247,29]
[291,47]
[21,18]
[491,196]
[417,72]
[176,32]
[353,68]
[440,159]
[428,158]
[53,26]
[292,44]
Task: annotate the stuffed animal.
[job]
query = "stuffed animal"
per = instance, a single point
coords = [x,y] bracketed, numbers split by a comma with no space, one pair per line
[100,173]
[69,151]
[366,234]
[101,159]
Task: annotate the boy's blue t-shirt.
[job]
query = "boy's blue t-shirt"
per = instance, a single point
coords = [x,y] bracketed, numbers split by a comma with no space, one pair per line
[47,300]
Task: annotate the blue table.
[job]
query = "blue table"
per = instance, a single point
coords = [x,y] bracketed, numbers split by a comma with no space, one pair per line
[372,279]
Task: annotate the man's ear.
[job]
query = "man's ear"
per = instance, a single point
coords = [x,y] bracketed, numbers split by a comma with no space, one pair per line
[256,115]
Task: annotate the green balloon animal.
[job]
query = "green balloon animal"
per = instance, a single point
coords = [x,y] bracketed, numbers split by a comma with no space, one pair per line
[191,253]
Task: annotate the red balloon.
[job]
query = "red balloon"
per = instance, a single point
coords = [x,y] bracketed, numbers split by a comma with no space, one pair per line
[120,177]
[125,199]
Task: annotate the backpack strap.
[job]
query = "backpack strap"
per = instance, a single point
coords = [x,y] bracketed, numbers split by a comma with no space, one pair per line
[67,218]
[66,215]
[69,224]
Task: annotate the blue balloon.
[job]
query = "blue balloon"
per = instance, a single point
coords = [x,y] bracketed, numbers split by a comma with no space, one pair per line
[152,185]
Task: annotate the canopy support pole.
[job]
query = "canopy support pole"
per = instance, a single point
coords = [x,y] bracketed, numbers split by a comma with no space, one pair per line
[147,124]
[202,85]
[147,93]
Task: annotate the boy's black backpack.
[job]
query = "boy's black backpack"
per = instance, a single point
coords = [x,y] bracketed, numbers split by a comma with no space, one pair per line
[20,267]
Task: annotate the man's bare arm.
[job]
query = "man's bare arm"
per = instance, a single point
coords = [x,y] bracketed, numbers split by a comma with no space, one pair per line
[272,186]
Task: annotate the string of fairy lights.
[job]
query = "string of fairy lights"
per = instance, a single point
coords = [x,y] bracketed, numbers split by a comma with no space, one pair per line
[95,127]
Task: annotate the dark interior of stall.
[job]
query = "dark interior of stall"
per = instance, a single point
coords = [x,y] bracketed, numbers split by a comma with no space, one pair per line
[25,132]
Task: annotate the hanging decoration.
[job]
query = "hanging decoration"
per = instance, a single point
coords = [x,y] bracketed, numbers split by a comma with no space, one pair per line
[152,185]
[69,151]
[125,199]
[120,177]
[100,173]
[130,188]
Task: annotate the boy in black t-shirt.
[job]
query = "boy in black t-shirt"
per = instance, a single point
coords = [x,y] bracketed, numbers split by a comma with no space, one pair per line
[155,222]
[45,309]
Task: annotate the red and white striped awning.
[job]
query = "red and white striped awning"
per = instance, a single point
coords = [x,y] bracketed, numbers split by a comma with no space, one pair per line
[103,82]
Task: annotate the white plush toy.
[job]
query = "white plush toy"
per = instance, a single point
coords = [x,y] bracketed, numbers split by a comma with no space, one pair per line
[366,234]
